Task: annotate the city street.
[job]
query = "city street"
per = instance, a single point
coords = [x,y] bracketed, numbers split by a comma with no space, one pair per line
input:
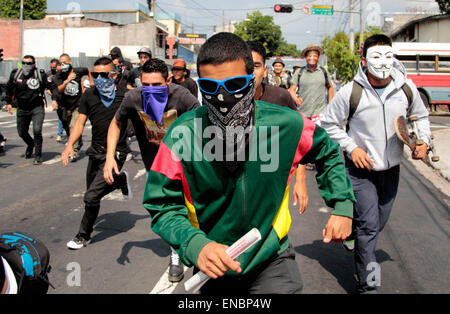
[125,256]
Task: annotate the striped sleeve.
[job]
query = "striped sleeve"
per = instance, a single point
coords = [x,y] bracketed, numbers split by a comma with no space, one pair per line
[332,180]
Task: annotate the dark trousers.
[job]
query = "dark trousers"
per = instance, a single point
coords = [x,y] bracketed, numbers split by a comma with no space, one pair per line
[96,189]
[24,118]
[375,192]
[278,276]
[65,124]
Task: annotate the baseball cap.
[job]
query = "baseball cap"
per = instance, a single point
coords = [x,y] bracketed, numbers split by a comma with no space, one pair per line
[179,64]
[145,50]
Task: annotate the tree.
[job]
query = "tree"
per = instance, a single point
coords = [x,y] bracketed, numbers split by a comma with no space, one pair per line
[32,9]
[444,6]
[261,28]
[286,49]
[340,58]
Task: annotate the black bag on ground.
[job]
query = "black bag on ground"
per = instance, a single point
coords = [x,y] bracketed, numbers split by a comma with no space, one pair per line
[29,259]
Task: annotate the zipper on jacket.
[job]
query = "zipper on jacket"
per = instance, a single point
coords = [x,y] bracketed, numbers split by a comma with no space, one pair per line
[385,130]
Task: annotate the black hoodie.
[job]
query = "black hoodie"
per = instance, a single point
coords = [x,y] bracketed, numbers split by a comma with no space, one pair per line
[116,51]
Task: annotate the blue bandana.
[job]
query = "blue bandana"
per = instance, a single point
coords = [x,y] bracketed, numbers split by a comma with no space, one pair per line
[106,89]
[155,101]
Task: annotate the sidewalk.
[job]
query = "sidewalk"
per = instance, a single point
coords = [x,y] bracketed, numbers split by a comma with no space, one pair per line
[442,146]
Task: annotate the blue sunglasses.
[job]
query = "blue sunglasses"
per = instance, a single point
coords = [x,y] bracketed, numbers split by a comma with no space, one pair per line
[232,85]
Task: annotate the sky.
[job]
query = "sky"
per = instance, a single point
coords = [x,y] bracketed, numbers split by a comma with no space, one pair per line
[298,28]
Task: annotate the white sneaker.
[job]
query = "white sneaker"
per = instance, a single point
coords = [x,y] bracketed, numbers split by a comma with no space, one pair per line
[59,139]
[78,242]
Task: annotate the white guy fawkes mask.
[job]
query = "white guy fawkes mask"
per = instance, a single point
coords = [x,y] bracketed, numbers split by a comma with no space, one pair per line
[380,60]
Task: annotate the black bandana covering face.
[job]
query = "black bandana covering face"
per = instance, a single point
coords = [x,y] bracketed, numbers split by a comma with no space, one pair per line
[228,112]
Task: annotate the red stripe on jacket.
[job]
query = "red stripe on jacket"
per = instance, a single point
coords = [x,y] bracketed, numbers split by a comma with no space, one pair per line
[168,164]
[304,145]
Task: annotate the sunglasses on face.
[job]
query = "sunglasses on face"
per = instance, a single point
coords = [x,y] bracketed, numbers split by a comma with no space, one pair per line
[102,74]
[27,63]
[232,85]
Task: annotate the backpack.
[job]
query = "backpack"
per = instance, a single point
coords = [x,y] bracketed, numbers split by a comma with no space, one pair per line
[355,98]
[302,69]
[29,259]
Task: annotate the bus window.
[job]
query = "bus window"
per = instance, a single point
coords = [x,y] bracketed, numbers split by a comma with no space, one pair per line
[444,63]
[427,63]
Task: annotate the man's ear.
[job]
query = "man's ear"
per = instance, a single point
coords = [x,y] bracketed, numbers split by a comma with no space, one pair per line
[169,80]
[266,69]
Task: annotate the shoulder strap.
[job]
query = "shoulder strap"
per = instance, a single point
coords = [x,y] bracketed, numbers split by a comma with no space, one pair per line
[355,98]
[18,75]
[300,73]
[327,82]
[409,94]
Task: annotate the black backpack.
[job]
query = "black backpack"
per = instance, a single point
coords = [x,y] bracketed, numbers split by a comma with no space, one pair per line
[29,259]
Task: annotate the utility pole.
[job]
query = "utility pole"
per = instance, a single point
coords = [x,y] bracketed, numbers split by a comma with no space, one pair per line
[21,32]
[361,24]
[352,30]
[153,25]
[223,20]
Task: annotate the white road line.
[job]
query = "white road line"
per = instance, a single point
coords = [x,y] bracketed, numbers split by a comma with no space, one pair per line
[140,173]
[164,286]
[52,161]
[323,210]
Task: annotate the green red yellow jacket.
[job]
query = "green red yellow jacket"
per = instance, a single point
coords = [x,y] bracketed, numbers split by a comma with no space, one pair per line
[193,202]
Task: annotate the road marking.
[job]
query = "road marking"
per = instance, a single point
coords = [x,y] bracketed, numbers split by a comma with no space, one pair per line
[438,131]
[52,161]
[323,210]
[140,173]
[164,286]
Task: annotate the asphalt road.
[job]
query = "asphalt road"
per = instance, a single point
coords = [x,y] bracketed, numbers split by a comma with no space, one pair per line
[127,257]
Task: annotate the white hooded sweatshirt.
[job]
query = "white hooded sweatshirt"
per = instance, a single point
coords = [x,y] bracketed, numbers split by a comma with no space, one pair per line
[372,125]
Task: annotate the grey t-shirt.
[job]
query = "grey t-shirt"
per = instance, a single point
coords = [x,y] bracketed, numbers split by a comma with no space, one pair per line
[312,89]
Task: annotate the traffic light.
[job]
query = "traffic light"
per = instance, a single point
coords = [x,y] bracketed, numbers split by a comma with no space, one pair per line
[1,54]
[283,8]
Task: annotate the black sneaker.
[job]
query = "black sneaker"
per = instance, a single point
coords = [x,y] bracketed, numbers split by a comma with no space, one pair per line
[29,152]
[126,188]
[2,145]
[37,160]
[78,242]
[75,157]
[176,269]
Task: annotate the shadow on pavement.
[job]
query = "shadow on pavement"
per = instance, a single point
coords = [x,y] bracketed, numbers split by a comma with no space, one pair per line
[334,259]
[158,246]
[111,224]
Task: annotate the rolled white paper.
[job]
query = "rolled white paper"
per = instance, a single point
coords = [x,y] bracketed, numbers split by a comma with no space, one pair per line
[234,251]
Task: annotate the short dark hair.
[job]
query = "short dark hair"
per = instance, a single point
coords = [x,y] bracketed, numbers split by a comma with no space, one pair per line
[103,61]
[257,47]
[225,47]
[29,57]
[54,60]
[375,40]
[65,55]
[156,66]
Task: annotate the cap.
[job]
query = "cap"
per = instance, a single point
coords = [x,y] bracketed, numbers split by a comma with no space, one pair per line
[312,47]
[145,50]
[179,63]
[278,60]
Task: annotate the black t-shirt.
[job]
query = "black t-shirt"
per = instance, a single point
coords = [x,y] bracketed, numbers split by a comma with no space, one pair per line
[101,117]
[27,91]
[148,134]
[134,77]
[70,97]
[190,84]
[277,96]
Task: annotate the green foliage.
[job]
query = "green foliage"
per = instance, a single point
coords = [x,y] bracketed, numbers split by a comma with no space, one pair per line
[261,28]
[444,6]
[340,58]
[286,49]
[32,9]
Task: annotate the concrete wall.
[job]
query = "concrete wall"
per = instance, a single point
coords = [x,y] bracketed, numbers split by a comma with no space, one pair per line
[434,31]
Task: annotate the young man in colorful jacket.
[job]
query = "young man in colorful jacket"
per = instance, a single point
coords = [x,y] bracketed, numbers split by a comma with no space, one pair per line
[213,179]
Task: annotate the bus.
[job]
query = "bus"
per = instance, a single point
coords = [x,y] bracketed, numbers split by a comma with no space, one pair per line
[428,66]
